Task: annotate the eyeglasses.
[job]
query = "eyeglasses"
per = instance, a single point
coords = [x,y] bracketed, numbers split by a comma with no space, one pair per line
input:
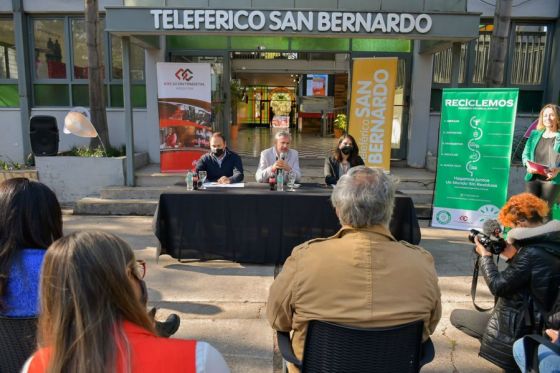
[139,269]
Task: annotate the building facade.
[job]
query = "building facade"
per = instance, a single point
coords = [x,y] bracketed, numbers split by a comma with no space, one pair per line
[265,47]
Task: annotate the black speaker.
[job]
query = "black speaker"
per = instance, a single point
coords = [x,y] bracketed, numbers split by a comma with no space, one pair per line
[43,131]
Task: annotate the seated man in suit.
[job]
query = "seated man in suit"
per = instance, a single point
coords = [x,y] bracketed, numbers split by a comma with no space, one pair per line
[280,156]
[362,276]
[221,164]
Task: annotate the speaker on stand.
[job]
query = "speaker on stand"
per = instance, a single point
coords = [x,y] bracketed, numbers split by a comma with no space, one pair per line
[43,132]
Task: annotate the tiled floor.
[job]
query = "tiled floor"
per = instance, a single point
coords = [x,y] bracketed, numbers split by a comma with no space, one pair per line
[251,141]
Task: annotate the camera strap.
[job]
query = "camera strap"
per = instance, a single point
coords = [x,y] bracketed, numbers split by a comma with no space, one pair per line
[474,283]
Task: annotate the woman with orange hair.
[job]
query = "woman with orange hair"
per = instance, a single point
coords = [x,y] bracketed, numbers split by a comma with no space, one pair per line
[525,290]
[543,147]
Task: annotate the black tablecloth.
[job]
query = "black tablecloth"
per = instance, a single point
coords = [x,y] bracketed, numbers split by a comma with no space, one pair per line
[254,224]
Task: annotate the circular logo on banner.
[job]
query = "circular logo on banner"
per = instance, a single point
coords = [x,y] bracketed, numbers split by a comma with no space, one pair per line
[443,217]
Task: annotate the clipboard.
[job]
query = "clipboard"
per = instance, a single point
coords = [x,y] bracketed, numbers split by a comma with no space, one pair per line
[541,169]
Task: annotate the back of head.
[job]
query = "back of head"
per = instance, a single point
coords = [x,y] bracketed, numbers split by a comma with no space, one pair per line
[364,197]
[30,217]
[523,207]
[85,294]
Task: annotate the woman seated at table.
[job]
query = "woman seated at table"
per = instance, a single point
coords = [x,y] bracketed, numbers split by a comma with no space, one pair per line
[93,319]
[344,157]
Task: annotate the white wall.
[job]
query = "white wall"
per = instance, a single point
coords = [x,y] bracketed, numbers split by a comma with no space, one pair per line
[115,119]
[10,138]
[420,87]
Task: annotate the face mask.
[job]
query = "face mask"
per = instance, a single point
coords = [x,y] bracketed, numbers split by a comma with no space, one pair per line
[347,149]
[218,152]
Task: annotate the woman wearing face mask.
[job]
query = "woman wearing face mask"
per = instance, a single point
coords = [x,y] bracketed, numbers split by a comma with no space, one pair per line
[344,157]
[525,290]
[543,147]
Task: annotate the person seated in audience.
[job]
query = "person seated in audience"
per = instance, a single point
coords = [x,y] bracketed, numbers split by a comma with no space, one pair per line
[362,276]
[345,156]
[30,220]
[221,164]
[548,360]
[278,157]
[93,318]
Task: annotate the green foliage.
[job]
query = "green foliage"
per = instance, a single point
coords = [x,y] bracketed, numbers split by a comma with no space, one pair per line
[10,165]
[340,122]
[83,151]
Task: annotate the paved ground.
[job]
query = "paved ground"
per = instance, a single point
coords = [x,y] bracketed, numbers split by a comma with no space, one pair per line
[223,302]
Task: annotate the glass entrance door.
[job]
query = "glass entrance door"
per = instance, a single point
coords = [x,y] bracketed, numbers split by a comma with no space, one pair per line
[399,139]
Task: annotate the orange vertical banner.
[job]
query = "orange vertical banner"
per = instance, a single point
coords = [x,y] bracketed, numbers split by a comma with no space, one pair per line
[371,108]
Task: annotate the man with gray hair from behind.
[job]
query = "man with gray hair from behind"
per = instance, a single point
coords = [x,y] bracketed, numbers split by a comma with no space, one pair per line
[362,276]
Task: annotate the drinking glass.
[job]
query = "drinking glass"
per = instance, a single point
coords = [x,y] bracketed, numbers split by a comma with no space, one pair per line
[291,181]
[202,177]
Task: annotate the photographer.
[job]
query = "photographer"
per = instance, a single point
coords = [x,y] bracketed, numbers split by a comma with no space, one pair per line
[525,289]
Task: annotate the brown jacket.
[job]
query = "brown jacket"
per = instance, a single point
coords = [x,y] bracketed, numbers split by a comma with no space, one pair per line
[358,277]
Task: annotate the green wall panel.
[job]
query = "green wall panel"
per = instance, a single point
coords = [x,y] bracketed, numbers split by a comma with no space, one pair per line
[9,96]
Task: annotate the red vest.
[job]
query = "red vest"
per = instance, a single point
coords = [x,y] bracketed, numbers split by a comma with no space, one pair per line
[148,353]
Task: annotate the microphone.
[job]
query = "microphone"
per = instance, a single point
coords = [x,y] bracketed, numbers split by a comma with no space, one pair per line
[492,228]
[282,156]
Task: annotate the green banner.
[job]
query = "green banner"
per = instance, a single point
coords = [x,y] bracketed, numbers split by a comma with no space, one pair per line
[476,134]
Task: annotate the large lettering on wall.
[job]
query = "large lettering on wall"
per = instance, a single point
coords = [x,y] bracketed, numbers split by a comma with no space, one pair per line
[295,21]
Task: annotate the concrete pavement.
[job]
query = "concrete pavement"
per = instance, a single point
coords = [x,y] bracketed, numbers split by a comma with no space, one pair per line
[224,303]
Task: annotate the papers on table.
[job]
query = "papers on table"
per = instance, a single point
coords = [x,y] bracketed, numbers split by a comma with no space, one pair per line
[216,185]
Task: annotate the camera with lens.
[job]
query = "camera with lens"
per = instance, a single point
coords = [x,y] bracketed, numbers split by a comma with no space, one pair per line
[496,245]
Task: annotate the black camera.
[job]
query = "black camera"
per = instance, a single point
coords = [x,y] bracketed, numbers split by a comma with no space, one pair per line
[493,244]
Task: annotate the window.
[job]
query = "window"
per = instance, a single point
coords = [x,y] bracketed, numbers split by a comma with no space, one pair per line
[528,55]
[9,96]
[61,65]
[526,64]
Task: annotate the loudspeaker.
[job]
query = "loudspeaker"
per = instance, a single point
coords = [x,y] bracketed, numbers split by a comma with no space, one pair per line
[43,131]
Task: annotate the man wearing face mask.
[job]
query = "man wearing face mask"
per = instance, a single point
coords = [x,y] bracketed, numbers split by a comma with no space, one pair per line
[221,164]
[345,156]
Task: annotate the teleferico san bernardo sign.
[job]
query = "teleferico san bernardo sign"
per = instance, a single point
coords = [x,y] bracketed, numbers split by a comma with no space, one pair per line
[291,21]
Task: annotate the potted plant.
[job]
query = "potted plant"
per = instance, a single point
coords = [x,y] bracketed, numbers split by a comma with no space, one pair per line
[10,169]
[82,172]
[237,92]
[340,124]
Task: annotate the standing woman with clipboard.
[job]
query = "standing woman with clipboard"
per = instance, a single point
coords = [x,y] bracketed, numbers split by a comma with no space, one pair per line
[543,148]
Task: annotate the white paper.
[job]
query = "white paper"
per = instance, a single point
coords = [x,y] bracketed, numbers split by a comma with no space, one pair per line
[217,185]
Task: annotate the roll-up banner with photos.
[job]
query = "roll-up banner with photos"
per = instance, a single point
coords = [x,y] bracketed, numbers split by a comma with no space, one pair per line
[371,108]
[184,97]
[474,156]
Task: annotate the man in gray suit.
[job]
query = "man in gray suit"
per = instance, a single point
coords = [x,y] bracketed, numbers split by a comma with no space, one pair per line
[280,156]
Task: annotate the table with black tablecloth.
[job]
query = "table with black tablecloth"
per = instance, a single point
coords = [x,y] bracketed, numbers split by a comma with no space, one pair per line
[256,225]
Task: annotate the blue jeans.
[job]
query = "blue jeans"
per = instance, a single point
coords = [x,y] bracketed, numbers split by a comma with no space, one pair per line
[549,361]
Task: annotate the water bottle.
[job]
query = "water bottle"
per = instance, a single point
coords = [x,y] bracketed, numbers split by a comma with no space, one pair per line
[189,180]
[280,181]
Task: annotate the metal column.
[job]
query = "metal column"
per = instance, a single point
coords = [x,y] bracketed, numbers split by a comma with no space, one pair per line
[128,123]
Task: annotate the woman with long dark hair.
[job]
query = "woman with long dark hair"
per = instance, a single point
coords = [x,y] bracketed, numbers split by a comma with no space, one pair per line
[93,318]
[543,147]
[30,220]
[345,156]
